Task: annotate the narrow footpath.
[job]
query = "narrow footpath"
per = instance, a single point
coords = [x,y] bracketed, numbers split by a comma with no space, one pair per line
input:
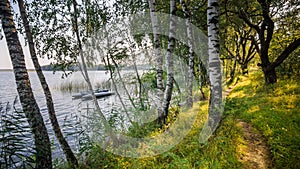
[253,150]
[254,153]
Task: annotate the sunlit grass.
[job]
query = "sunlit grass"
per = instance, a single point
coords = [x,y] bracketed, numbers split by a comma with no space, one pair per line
[273,110]
[219,152]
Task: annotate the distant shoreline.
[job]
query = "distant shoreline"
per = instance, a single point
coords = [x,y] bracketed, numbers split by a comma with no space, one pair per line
[6,70]
[10,70]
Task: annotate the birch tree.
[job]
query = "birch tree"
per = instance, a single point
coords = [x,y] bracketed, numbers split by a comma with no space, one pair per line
[214,64]
[170,60]
[85,74]
[27,99]
[159,61]
[191,53]
[52,115]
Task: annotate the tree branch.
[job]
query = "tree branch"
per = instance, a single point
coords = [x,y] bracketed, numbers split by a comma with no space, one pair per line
[242,15]
[292,46]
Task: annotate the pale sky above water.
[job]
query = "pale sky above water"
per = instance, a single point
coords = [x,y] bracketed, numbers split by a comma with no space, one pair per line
[5,62]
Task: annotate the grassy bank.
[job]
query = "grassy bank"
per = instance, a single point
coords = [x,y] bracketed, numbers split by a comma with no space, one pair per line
[272,110]
[275,111]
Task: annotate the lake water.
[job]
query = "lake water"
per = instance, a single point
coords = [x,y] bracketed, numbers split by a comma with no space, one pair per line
[77,115]
[67,109]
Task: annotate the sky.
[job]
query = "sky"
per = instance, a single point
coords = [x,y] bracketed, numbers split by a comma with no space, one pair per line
[5,62]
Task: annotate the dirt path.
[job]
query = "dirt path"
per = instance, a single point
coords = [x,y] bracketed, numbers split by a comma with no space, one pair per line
[253,149]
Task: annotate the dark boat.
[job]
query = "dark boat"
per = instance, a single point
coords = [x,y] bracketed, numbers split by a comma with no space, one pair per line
[99,93]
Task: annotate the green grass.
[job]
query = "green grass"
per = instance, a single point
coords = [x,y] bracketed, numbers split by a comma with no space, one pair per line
[273,110]
[219,153]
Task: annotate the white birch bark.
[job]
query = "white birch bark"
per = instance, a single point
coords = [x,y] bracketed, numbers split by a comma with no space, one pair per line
[159,61]
[214,65]
[191,53]
[85,74]
[170,60]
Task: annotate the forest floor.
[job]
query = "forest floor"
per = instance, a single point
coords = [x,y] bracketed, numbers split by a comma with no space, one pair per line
[260,129]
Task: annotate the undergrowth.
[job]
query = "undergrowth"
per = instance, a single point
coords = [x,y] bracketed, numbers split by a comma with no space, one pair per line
[219,152]
[273,110]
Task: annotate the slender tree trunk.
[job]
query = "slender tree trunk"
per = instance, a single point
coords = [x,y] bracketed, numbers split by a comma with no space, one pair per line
[86,76]
[141,91]
[201,79]
[56,128]
[159,62]
[191,53]
[214,65]
[122,82]
[28,102]
[108,64]
[170,61]
[232,72]
[84,67]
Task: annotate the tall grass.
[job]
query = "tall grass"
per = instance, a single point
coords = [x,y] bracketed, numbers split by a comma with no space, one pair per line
[77,86]
[70,87]
[273,110]
[16,145]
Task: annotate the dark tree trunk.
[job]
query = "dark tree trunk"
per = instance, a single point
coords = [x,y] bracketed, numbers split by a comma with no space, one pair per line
[270,75]
[244,68]
[28,102]
[265,32]
[55,125]
[232,73]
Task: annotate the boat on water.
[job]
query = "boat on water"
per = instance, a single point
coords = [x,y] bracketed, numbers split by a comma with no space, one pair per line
[99,93]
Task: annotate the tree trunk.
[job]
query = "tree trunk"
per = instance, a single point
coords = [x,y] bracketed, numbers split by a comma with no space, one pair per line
[244,68]
[108,64]
[122,82]
[159,62]
[214,66]
[28,102]
[86,76]
[55,125]
[191,54]
[232,73]
[201,79]
[170,61]
[141,91]
[270,75]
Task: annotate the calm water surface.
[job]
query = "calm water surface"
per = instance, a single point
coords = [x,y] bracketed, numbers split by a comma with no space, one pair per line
[66,107]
